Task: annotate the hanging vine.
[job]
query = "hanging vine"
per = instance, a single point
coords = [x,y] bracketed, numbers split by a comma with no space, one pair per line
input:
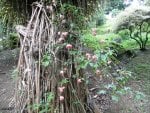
[48,77]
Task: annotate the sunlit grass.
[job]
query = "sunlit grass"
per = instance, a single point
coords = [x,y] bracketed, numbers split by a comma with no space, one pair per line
[132,44]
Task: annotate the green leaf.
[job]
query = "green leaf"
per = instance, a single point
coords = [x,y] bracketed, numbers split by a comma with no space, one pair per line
[45,64]
[121,92]
[64,81]
[50,96]
[127,88]
[115,98]
[111,86]
[104,58]
[44,111]
[139,95]
[102,92]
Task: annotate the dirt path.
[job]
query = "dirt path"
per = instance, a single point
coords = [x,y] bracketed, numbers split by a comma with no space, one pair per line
[7,64]
[140,68]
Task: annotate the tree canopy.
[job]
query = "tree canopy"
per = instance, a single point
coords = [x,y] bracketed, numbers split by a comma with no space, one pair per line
[137,21]
[19,11]
[132,16]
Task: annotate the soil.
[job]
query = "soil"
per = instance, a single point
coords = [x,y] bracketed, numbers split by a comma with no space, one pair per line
[139,65]
[7,86]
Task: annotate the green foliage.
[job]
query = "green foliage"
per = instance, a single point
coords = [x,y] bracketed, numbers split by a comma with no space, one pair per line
[100,20]
[75,16]
[114,4]
[110,41]
[46,60]
[91,42]
[129,44]
[139,95]
[115,12]
[136,21]
[117,48]
[118,87]
[44,106]
[131,16]
[97,18]
[124,34]
[9,16]
[110,36]
[11,42]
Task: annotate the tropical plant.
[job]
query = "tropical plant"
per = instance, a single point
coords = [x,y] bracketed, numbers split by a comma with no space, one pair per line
[137,21]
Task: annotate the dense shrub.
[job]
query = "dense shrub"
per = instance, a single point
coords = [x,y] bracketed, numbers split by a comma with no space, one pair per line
[117,48]
[91,42]
[131,16]
[100,19]
[137,21]
[124,34]
[11,42]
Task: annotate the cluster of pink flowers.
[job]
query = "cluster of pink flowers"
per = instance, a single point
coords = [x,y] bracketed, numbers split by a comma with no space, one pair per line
[61,90]
[91,57]
[63,36]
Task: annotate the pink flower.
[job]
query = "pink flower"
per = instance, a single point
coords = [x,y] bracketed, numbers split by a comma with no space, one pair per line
[61,98]
[64,34]
[69,46]
[62,73]
[88,56]
[61,89]
[61,40]
[94,58]
[79,80]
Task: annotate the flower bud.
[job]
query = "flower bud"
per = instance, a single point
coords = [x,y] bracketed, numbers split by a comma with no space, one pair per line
[94,58]
[69,46]
[61,98]
[61,89]
[79,81]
